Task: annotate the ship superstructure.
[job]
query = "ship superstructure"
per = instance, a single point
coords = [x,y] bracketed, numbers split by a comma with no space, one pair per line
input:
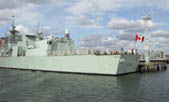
[16,44]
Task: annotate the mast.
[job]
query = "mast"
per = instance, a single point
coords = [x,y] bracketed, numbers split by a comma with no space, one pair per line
[39,33]
[13,21]
[38,27]
[13,31]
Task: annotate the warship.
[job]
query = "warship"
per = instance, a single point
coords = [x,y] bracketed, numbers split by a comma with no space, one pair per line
[59,54]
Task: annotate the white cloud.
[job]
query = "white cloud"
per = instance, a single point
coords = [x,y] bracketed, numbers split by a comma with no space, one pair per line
[129,25]
[37,1]
[8,4]
[159,43]
[87,6]
[109,38]
[11,4]
[5,16]
[24,10]
[122,35]
[23,30]
[58,31]
[81,7]
[161,40]
[161,33]
[91,41]
[84,21]
[100,42]
[127,29]
[22,15]
[46,28]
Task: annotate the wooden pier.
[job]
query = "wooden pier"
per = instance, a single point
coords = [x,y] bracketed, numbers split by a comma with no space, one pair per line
[154,65]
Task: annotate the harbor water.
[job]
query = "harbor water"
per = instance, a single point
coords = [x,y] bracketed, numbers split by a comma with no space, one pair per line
[37,86]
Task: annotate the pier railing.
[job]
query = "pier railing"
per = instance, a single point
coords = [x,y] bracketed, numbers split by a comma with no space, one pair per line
[154,65]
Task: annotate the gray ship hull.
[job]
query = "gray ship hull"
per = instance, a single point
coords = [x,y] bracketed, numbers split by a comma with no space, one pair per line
[87,64]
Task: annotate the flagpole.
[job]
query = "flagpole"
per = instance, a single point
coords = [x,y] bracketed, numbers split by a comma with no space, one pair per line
[135,44]
[135,41]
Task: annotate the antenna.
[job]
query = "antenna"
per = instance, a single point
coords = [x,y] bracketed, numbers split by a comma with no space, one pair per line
[13,20]
[39,33]
[38,27]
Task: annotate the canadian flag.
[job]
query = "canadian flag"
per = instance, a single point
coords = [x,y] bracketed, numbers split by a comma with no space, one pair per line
[140,38]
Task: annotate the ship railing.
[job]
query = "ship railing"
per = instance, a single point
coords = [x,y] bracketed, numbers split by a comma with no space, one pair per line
[61,52]
[85,52]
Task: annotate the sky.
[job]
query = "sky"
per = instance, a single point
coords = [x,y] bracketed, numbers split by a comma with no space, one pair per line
[98,24]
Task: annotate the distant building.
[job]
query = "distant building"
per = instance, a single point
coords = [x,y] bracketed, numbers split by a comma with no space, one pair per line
[157,54]
[167,56]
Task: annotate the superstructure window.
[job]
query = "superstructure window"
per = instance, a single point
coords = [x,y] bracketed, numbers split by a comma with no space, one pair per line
[49,42]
